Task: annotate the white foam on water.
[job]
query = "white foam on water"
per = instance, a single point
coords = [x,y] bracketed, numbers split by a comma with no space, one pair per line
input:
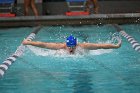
[100,51]
[79,52]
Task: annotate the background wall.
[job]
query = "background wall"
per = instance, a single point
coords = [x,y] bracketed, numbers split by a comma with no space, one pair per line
[52,7]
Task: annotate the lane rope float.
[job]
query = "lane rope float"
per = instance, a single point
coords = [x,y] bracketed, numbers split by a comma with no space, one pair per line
[20,50]
[130,39]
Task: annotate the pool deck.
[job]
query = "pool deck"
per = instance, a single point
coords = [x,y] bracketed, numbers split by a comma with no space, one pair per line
[97,19]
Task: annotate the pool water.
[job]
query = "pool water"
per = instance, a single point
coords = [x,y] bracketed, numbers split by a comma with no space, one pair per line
[50,71]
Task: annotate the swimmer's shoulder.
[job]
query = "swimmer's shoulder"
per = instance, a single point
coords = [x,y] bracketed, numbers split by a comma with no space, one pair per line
[82,45]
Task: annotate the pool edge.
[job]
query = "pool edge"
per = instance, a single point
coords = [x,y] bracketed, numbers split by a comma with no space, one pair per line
[20,21]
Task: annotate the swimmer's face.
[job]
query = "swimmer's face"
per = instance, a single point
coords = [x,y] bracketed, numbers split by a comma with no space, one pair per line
[71,49]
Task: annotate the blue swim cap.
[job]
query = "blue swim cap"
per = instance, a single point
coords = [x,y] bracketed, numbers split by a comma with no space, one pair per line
[71,41]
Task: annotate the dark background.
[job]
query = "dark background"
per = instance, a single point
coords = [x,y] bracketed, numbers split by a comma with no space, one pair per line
[98,0]
[105,6]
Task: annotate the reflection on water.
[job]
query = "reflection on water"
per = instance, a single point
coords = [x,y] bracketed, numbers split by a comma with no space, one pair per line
[82,82]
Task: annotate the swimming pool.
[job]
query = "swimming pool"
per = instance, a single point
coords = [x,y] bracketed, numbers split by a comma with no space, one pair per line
[49,71]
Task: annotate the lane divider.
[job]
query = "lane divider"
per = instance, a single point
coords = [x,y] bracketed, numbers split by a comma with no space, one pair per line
[20,50]
[130,39]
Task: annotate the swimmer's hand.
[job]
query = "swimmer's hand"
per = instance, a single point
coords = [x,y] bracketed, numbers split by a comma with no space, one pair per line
[26,41]
[119,42]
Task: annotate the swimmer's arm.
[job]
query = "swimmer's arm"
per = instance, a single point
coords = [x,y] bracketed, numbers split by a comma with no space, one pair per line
[44,44]
[92,46]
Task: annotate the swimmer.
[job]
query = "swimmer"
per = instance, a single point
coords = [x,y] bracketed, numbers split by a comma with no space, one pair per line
[71,44]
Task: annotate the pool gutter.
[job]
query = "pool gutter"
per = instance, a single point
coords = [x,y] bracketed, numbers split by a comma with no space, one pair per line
[20,21]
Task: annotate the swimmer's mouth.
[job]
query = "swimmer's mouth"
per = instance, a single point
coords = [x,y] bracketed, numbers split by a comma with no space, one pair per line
[71,52]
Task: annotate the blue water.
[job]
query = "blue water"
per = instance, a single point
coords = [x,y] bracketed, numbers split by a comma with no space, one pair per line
[48,71]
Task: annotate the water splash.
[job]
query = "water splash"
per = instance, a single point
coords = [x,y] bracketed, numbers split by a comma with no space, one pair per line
[100,51]
[79,52]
